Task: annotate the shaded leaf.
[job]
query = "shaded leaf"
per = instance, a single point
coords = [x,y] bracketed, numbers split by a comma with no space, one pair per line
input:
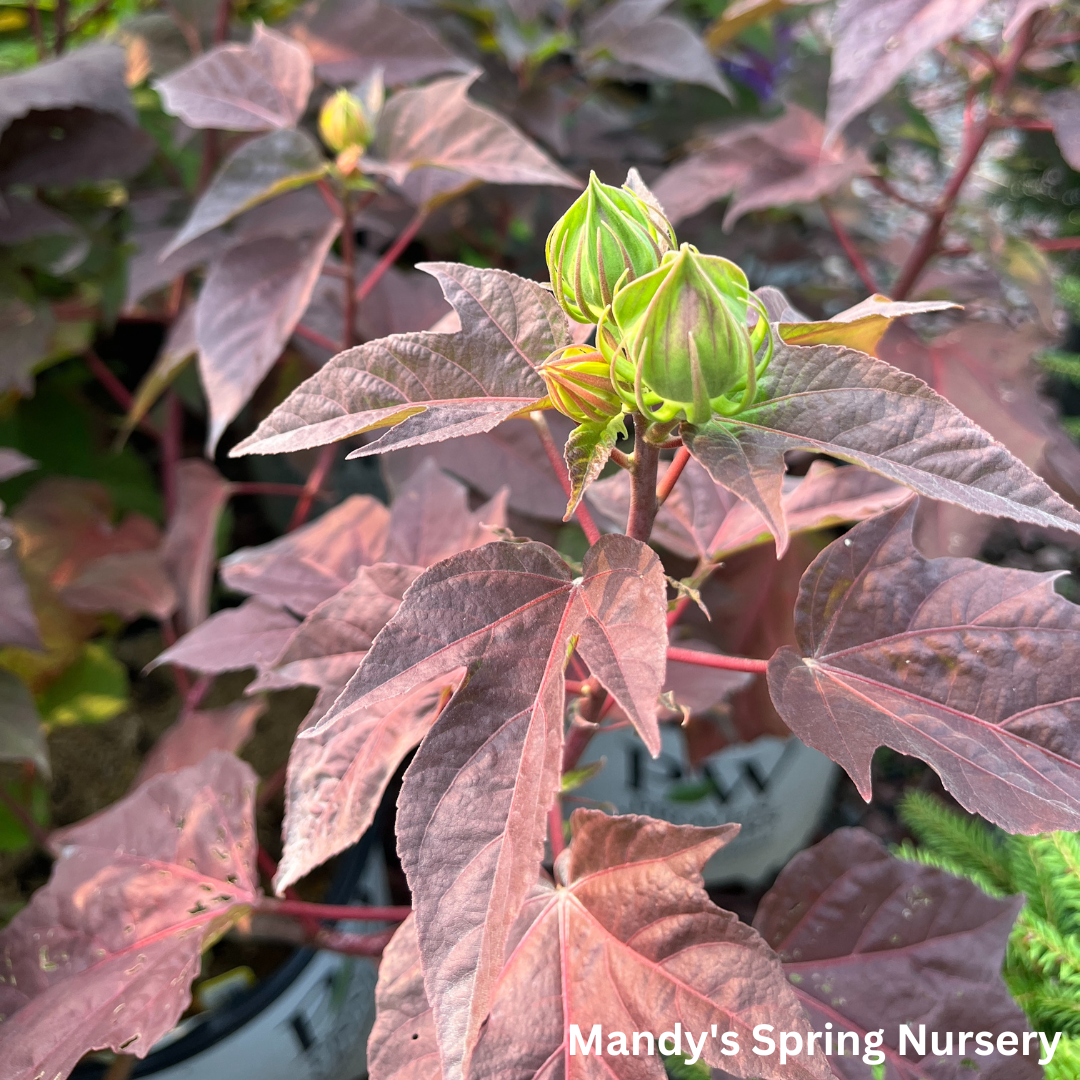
[27,332]
[309,565]
[251,635]
[23,219]
[258,170]
[22,738]
[429,386]
[853,407]
[876,42]
[761,164]
[871,942]
[1063,109]
[961,664]
[199,732]
[255,87]
[250,303]
[632,942]
[14,463]
[136,893]
[18,623]
[178,348]
[587,451]
[90,691]
[350,41]
[130,584]
[434,142]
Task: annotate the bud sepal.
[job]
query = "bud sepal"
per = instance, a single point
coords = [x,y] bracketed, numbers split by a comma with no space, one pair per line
[578,380]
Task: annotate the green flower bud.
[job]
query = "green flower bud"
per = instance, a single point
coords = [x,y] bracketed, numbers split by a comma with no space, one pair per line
[609,235]
[678,342]
[344,123]
[578,381]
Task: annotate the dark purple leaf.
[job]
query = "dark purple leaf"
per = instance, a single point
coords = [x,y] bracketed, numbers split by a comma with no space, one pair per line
[103,956]
[22,738]
[961,664]
[427,386]
[870,942]
[255,87]
[129,583]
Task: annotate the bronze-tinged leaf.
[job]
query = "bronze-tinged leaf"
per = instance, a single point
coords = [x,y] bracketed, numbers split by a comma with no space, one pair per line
[305,567]
[22,737]
[587,450]
[475,799]
[434,142]
[130,584]
[250,636]
[629,940]
[760,165]
[349,41]
[870,942]
[255,87]
[964,665]
[190,544]
[135,895]
[250,303]
[429,386]
[18,623]
[851,406]
[875,42]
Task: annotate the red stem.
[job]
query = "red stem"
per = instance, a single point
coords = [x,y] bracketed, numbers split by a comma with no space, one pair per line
[323,464]
[391,255]
[671,477]
[36,833]
[171,439]
[555,829]
[725,663]
[585,519]
[1063,243]
[308,910]
[353,944]
[643,504]
[305,332]
[850,250]
[116,389]
[259,487]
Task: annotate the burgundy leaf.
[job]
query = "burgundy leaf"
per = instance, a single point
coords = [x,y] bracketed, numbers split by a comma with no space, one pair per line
[871,942]
[190,544]
[18,623]
[130,584]
[875,42]
[963,665]
[429,386]
[255,87]
[349,41]
[848,405]
[197,733]
[250,303]
[14,463]
[251,635]
[760,165]
[434,142]
[22,738]
[475,799]
[305,567]
[631,941]
[103,956]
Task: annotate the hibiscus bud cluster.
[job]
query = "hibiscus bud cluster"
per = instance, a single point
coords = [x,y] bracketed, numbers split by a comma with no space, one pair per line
[679,336]
[347,120]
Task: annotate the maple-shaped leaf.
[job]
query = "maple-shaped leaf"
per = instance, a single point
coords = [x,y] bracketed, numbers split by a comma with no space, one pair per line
[702,520]
[258,170]
[255,87]
[870,942]
[961,664]
[135,895]
[250,303]
[434,142]
[190,542]
[762,164]
[475,799]
[251,635]
[22,738]
[199,732]
[429,386]
[629,940]
[309,565]
[130,584]
[18,623]
[851,406]
[876,42]
[349,41]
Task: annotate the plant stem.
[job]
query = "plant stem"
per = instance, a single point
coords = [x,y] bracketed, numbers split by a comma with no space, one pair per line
[171,444]
[547,440]
[305,332]
[60,13]
[36,833]
[555,829]
[35,26]
[850,250]
[115,388]
[259,487]
[348,260]
[671,477]
[725,663]
[391,255]
[643,471]
[88,16]
[316,478]
[269,905]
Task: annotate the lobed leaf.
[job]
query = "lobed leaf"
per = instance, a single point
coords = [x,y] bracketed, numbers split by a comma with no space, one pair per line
[136,894]
[870,942]
[475,799]
[961,664]
[429,386]
[22,738]
[853,407]
[255,87]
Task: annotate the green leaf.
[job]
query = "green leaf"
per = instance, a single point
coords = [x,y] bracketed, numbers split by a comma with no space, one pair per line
[587,452]
[94,689]
[35,801]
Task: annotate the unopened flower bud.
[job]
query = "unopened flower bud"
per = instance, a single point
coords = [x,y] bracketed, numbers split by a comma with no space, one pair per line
[608,236]
[578,382]
[678,339]
[344,123]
